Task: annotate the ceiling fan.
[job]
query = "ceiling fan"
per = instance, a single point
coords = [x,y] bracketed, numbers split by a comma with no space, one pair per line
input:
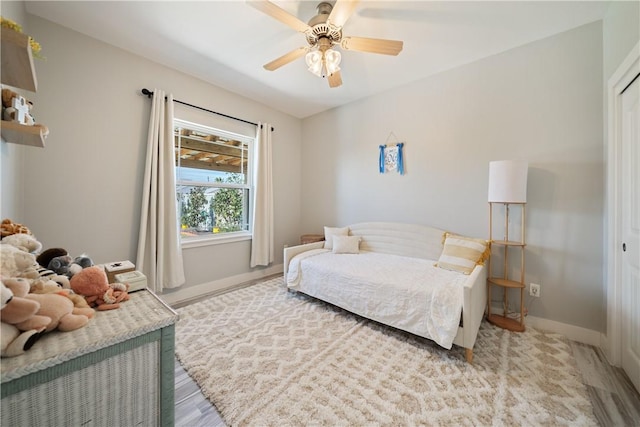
[323,34]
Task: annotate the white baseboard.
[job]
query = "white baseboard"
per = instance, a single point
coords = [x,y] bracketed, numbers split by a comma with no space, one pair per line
[198,291]
[574,333]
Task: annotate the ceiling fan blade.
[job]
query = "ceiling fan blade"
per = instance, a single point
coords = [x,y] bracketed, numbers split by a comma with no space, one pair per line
[280,14]
[335,79]
[341,11]
[363,44]
[286,58]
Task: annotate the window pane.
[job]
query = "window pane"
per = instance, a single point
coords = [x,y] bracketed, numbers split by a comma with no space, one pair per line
[206,157]
[205,210]
[213,180]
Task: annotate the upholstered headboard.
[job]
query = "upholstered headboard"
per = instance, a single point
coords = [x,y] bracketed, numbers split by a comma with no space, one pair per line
[412,240]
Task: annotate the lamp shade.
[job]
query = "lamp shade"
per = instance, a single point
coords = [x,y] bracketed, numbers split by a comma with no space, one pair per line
[508,181]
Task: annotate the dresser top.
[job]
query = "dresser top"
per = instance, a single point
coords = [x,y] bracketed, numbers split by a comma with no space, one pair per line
[143,313]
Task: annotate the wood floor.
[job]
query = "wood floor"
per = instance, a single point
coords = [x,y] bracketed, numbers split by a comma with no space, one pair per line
[615,401]
[192,408]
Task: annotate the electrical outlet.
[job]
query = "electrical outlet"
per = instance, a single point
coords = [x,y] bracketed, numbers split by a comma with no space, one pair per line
[534,290]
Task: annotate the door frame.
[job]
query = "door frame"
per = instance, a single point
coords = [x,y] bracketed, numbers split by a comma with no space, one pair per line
[623,76]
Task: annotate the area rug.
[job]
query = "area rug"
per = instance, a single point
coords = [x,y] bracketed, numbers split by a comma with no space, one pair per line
[265,357]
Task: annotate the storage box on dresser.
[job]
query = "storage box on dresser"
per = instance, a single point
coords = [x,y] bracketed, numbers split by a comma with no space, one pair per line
[117,370]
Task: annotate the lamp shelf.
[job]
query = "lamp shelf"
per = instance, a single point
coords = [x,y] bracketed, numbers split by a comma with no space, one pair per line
[506,322]
[508,243]
[499,276]
[506,283]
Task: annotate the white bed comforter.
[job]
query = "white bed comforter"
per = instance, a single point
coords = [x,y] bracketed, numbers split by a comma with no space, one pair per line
[407,293]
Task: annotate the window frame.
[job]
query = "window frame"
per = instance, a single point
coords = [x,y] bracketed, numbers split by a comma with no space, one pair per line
[210,239]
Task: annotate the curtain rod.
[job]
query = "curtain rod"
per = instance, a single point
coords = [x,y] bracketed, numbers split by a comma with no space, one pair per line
[149,93]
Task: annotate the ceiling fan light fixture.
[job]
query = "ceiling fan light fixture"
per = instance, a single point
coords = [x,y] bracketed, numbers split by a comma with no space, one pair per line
[322,32]
[332,61]
[314,62]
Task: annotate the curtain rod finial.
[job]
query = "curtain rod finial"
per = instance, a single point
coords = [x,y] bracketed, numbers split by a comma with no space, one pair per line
[147,92]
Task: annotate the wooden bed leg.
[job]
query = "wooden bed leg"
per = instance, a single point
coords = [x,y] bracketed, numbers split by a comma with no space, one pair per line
[468,352]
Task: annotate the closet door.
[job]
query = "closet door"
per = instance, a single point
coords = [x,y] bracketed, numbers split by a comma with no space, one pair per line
[630,209]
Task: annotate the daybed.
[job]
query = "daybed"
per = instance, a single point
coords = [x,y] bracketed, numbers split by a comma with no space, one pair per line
[411,277]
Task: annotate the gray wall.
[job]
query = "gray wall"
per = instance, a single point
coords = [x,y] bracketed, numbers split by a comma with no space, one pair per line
[11,155]
[621,32]
[82,192]
[541,102]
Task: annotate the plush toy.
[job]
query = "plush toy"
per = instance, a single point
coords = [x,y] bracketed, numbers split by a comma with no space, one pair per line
[60,265]
[83,261]
[69,266]
[60,309]
[80,305]
[8,227]
[47,255]
[93,284]
[20,287]
[16,310]
[17,263]
[24,242]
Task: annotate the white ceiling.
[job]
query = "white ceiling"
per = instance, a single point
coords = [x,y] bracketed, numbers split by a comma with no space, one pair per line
[227,42]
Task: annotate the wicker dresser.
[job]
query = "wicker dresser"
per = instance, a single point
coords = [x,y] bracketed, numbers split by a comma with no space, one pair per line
[116,371]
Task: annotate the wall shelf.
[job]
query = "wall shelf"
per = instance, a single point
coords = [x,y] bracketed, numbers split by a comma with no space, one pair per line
[17,61]
[23,134]
[18,71]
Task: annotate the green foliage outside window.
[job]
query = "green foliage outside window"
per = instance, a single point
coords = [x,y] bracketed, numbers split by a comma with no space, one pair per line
[220,212]
[194,213]
[227,205]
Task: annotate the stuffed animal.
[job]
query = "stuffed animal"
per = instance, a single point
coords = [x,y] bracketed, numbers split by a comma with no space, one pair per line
[69,266]
[60,265]
[61,280]
[80,305]
[60,309]
[15,310]
[8,227]
[47,255]
[83,261]
[24,242]
[93,284]
[20,287]
[17,263]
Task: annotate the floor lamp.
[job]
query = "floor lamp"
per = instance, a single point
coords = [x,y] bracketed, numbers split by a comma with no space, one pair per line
[507,187]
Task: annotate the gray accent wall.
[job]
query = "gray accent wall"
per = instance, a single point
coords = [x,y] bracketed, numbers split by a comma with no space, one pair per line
[541,102]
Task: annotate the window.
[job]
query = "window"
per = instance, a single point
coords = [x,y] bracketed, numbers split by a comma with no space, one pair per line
[213,182]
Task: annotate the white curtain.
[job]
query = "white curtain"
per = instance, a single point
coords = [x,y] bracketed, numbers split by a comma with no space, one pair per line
[159,251]
[262,248]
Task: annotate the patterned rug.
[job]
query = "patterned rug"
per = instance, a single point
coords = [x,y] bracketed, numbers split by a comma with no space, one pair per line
[265,356]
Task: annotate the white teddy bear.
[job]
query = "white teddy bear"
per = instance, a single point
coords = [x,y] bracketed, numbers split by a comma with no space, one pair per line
[24,242]
[17,263]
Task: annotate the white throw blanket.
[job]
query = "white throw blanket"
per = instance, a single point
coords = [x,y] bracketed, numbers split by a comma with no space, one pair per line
[407,293]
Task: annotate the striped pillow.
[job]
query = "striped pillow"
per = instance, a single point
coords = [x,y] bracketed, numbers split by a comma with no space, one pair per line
[462,253]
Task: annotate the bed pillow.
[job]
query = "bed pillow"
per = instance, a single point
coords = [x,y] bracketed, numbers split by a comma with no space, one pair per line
[346,244]
[462,253]
[329,232]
